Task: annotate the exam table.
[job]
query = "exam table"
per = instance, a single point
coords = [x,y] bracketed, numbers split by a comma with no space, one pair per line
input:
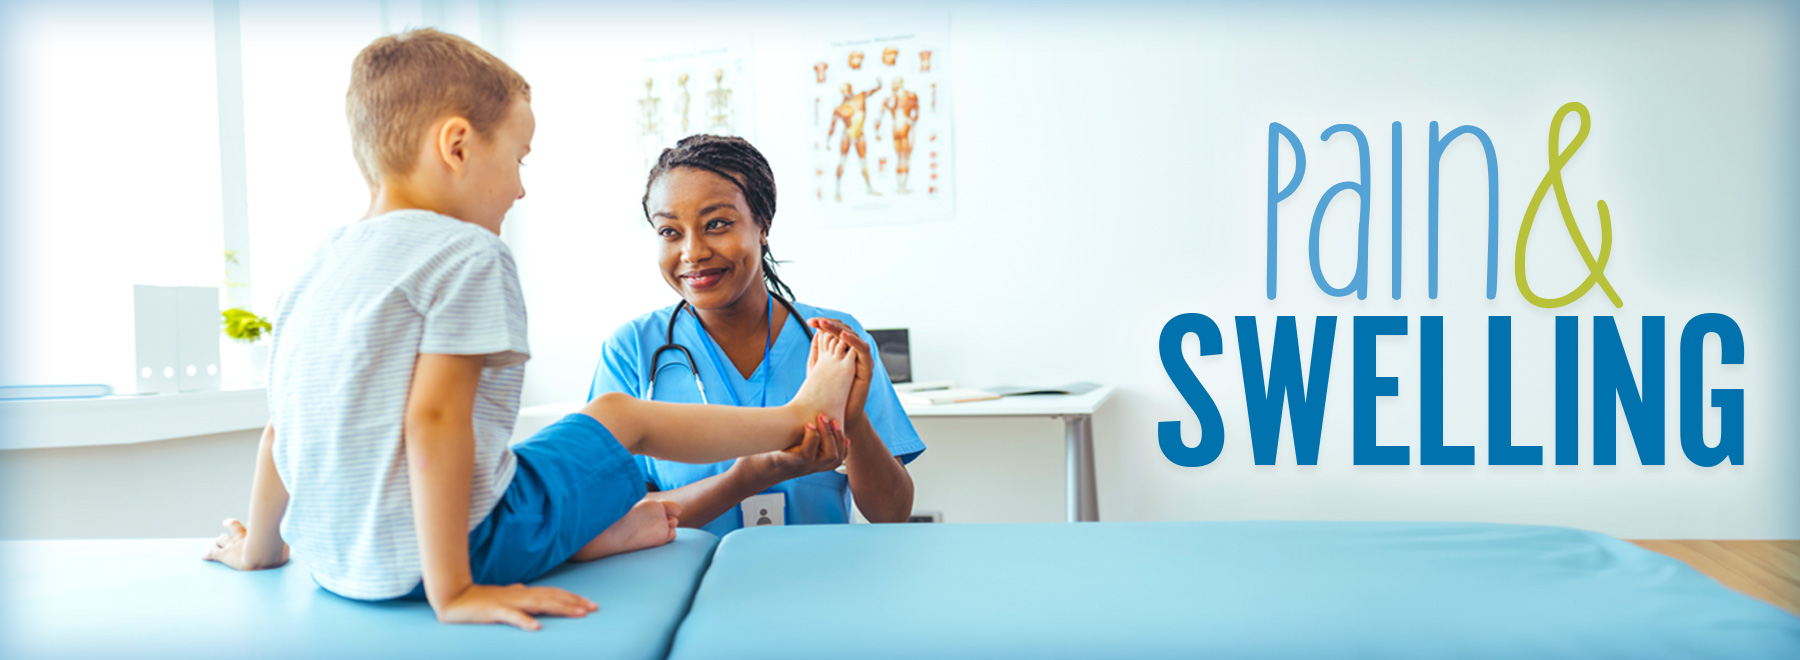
[158,599]
[1098,590]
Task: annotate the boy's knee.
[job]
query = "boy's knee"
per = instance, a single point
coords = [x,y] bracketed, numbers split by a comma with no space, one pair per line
[607,401]
[608,408]
[614,398]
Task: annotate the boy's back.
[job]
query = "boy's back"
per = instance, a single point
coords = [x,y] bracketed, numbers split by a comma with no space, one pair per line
[399,355]
[347,335]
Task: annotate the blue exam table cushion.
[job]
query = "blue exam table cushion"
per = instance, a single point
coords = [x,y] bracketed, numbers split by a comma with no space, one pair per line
[157,599]
[1221,590]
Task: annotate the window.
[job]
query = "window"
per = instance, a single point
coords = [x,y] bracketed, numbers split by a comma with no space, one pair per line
[155,144]
[302,180]
[113,155]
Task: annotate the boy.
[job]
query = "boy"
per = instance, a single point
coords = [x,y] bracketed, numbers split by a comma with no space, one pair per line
[398,358]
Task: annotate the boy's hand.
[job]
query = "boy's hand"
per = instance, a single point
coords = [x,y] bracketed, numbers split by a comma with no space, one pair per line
[229,549]
[865,365]
[513,605]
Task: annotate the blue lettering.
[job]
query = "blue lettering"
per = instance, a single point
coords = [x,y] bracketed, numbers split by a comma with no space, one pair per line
[1501,450]
[1367,387]
[1359,284]
[1432,450]
[1277,132]
[1613,380]
[1212,426]
[1286,383]
[1493,176]
[1730,402]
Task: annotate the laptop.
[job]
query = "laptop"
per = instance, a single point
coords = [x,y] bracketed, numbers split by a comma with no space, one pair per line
[895,353]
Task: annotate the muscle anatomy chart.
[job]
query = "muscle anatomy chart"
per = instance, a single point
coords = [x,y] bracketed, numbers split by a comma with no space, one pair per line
[880,115]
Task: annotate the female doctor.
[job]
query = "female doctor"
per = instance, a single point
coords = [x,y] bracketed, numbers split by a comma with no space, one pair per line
[738,337]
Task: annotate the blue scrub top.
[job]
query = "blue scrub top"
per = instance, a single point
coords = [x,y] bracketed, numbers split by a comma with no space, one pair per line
[821,497]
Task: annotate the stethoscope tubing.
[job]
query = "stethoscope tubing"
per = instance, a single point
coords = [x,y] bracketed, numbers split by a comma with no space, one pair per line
[692,365]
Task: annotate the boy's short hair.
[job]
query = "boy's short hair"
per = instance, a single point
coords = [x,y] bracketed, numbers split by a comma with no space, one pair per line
[401,83]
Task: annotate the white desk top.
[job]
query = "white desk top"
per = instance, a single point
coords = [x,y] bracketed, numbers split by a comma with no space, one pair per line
[1033,405]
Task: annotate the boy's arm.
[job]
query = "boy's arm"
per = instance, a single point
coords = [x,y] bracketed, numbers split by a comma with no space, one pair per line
[259,545]
[440,457]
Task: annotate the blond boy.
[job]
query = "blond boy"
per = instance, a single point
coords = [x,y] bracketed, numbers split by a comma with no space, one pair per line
[398,358]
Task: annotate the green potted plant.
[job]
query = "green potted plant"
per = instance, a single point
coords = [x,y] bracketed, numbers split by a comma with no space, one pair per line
[244,326]
[247,357]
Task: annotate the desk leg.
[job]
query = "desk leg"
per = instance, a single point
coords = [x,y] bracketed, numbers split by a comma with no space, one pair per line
[1078,437]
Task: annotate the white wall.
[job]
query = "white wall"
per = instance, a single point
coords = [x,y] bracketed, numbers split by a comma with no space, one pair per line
[167,489]
[1110,175]
[1111,172]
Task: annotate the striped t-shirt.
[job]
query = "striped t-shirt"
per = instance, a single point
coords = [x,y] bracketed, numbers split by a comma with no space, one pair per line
[347,334]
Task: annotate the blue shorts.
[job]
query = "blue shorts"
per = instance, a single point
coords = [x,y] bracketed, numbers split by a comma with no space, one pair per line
[572,481]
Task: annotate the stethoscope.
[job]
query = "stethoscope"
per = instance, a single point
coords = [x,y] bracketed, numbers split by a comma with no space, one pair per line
[669,344]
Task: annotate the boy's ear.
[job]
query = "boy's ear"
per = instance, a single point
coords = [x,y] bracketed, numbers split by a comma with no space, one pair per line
[454,139]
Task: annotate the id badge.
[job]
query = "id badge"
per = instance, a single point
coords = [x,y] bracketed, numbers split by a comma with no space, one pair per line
[764,510]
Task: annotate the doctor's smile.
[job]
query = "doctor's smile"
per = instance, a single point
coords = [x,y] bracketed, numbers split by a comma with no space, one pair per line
[704,278]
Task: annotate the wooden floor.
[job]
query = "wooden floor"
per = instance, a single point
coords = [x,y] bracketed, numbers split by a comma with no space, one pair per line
[1769,570]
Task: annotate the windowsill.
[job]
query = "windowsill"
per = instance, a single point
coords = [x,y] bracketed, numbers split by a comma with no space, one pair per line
[127,419]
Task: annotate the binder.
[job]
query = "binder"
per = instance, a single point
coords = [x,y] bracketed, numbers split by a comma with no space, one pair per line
[155,313]
[197,338]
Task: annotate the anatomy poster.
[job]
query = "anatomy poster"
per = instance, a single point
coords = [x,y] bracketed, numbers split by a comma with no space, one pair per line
[879,105]
[693,91]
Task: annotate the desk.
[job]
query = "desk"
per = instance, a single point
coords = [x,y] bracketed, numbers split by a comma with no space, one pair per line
[1076,412]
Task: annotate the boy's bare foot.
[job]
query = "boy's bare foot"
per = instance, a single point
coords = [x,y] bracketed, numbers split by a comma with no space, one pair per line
[831,370]
[648,524]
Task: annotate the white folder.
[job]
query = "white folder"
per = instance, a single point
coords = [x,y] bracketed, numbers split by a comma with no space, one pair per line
[198,329]
[155,313]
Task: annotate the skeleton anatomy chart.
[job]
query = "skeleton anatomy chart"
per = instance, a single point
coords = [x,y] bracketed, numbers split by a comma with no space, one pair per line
[702,90]
[880,119]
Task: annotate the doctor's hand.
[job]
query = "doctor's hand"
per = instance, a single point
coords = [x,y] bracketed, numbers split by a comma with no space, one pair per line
[865,366]
[822,447]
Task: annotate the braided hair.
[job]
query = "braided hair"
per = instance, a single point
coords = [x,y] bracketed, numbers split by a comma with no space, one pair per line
[734,159]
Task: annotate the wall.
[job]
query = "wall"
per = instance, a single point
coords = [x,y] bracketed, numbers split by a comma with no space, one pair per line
[1111,171]
[172,488]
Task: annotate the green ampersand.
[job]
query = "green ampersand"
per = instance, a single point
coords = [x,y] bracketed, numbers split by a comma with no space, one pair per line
[1553,180]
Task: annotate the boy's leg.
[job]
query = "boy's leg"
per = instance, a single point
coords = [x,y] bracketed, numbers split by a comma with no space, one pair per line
[648,524]
[692,433]
[571,483]
[651,523]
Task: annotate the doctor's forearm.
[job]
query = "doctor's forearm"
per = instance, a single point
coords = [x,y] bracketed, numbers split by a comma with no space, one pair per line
[705,500]
[878,480]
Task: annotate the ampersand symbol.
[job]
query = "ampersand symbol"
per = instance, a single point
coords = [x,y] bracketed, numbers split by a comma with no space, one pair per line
[1553,180]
